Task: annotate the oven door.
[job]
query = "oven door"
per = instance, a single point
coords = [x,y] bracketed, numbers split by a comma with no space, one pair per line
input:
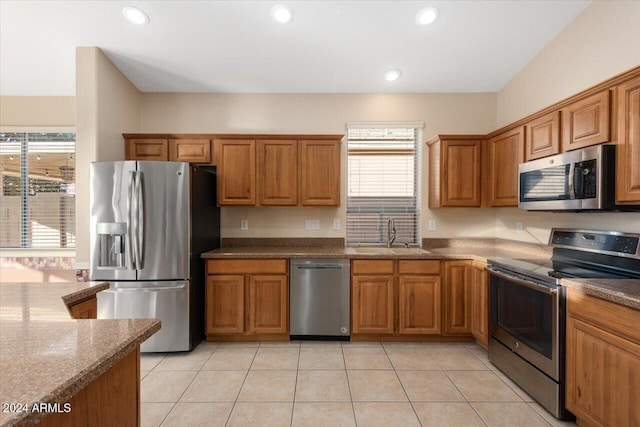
[525,317]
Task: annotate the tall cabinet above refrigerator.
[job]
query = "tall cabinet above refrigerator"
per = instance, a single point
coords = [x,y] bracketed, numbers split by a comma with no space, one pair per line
[150,221]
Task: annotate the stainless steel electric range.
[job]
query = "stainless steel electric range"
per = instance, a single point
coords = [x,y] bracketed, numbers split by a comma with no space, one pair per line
[527,306]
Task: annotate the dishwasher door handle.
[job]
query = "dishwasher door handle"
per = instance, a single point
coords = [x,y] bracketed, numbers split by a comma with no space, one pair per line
[320,267]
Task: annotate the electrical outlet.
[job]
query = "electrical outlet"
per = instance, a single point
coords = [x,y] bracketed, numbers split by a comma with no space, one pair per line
[519,227]
[336,224]
[244,224]
[432,225]
[312,224]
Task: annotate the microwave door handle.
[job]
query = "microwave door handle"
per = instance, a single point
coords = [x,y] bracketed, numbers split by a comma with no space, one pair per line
[572,187]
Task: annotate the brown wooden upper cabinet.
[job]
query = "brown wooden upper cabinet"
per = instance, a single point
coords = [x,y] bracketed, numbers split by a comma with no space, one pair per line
[319,173]
[190,150]
[504,153]
[236,171]
[628,149]
[147,149]
[587,122]
[543,136]
[454,170]
[278,172]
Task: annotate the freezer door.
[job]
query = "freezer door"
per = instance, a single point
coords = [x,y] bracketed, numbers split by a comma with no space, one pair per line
[167,301]
[162,220]
[111,186]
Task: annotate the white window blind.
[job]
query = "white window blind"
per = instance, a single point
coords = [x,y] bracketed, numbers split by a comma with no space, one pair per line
[38,190]
[382,183]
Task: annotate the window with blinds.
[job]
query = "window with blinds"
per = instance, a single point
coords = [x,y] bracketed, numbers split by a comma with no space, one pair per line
[382,183]
[38,190]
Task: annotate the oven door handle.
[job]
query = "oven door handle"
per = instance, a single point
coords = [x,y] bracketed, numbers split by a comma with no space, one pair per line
[535,286]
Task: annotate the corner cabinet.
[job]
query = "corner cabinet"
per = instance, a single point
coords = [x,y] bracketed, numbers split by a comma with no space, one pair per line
[457,297]
[628,144]
[455,170]
[480,303]
[602,362]
[247,299]
[504,153]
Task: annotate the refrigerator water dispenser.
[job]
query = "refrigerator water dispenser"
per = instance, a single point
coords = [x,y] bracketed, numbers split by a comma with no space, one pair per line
[112,248]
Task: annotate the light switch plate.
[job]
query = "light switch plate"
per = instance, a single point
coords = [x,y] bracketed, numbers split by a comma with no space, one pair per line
[244,224]
[312,224]
[336,224]
[432,225]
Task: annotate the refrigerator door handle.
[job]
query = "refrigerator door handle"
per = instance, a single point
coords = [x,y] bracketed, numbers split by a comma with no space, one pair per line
[130,242]
[140,220]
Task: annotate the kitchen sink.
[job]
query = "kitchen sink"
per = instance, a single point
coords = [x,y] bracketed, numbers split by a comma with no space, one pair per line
[390,251]
[408,251]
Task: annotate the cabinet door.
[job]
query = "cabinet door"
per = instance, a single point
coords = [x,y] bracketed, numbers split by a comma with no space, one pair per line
[460,170]
[587,122]
[504,153]
[278,173]
[85,310]
[236,172]
[190,150]
[268,305]
[543,136]
[225,304]
[420,302]
[457,297]
[480,303]
[603,384]
[628,149]
[319,173]
[147,149]
[372,304]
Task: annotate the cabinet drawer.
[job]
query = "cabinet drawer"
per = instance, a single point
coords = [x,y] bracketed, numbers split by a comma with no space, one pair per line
[616,318]
[378,266]
[247,266]
[419,267]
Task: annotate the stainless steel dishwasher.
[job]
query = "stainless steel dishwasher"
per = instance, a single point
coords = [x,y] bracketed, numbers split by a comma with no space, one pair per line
[319,303]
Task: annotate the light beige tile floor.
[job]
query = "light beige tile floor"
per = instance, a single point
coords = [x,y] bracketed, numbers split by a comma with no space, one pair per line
[309,384]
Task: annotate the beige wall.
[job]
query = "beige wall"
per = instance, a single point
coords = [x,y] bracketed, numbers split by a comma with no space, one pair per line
[107,104]
[323,113]
[36,111]
[604,40]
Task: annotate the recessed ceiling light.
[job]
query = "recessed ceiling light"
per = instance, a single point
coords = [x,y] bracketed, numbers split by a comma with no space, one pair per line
[427,16]
[392,75]
[135,15]
[281,13]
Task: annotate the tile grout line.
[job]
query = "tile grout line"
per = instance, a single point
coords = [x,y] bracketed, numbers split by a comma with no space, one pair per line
[346,372]
[295,386]
[242,385]
[403,389]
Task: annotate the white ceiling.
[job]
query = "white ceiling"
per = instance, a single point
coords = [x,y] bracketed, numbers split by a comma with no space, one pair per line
[234,46]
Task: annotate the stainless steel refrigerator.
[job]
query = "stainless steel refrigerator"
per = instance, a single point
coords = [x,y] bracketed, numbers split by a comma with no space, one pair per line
[150,221]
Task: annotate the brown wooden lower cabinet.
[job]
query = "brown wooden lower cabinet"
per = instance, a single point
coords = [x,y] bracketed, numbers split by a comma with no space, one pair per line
[480,303]
[395,298]
[457,297]
[112,399]
[87,309]
[602,362]
[247,298]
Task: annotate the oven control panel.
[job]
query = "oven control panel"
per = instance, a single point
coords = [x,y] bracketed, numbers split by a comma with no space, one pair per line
[608,242]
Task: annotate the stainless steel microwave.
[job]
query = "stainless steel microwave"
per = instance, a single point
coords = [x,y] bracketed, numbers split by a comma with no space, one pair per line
[577,180]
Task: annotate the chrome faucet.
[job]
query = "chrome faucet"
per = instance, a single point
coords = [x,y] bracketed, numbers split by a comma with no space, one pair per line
[391,232]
